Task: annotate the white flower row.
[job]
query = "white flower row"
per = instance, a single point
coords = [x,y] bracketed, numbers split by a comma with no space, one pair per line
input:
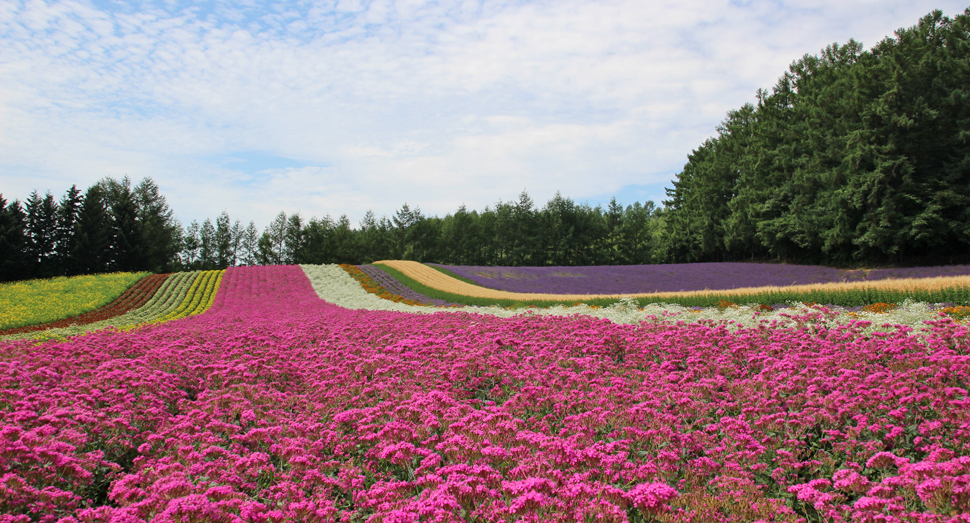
[334,285]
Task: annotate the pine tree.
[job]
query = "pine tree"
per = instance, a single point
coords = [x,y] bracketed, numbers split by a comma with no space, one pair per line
[223,241]
[92,235]
[41,235]
[160,231]
[207,246]
[190,246]
[250,244]
[13,238]
[67,216]
[128,245]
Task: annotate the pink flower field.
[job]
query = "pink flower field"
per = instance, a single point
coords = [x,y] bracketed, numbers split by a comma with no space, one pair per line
[275,406]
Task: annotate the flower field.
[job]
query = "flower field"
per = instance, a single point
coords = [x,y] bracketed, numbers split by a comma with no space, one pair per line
[136,296]
[177,296]
[935,288]
[392,285]
[679,277]
[275,405]
[40,301]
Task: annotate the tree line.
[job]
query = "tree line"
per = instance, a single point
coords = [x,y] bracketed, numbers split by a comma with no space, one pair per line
[114,226]
[516,233]
[854,158]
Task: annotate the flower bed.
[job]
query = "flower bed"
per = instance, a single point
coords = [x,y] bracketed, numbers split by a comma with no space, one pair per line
[133,298]
[180,295]
[372,287]
[32,302]
[277,406]
[397,288]
[677,277]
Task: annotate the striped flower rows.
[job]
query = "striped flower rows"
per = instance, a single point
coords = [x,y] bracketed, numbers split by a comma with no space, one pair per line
[32,302]
[372,287]
[179,295]
[134,297]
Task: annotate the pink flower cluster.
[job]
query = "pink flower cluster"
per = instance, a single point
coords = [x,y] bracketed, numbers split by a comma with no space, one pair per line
[276,406]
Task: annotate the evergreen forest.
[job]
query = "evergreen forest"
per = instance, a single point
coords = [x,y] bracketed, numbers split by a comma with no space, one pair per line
[854,158]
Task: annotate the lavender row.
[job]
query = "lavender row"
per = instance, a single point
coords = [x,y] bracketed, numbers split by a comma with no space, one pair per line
[620,279]
[396,287]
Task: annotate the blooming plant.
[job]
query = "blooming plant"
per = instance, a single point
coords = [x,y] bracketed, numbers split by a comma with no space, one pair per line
[179,295]
[275,406]
[673,277]
[383,280]
[133,298]
[31,302]
[373,287]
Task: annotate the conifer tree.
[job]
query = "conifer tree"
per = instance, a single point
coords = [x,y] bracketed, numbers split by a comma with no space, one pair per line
[90,254]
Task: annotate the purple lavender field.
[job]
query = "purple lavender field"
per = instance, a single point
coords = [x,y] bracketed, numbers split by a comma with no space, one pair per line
[675,277]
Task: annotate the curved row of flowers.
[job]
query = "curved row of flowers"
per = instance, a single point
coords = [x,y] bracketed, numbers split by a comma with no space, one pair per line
[31,302]
[277,406]
[190,293]
[179,295]
[334,285]
[136,296]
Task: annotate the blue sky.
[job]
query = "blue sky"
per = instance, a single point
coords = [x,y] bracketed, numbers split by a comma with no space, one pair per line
[343,106]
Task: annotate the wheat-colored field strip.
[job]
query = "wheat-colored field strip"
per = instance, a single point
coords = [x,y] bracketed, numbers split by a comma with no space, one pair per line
[437,280]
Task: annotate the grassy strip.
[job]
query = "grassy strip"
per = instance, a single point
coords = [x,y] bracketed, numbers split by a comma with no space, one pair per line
[436,294]
[845,298]
[459,277]
[32,302]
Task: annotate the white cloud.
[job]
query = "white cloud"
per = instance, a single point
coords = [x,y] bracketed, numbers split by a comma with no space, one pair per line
[432,103]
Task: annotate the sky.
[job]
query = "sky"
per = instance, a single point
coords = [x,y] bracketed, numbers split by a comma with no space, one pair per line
[339,107]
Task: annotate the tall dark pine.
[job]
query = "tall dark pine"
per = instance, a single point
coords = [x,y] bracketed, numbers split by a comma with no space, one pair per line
[67,214]
[127,249]
[160,232]
[41,235]
[223,241]
[92,235]
[12,241]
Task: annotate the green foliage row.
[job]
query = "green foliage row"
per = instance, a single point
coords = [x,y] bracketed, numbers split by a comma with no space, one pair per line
[854,157]
[842,297]
[517,233]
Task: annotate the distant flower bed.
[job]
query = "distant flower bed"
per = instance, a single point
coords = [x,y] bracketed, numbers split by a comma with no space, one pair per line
[397,288]
[134,297]
[31,302]
[632,279]
[174,297]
